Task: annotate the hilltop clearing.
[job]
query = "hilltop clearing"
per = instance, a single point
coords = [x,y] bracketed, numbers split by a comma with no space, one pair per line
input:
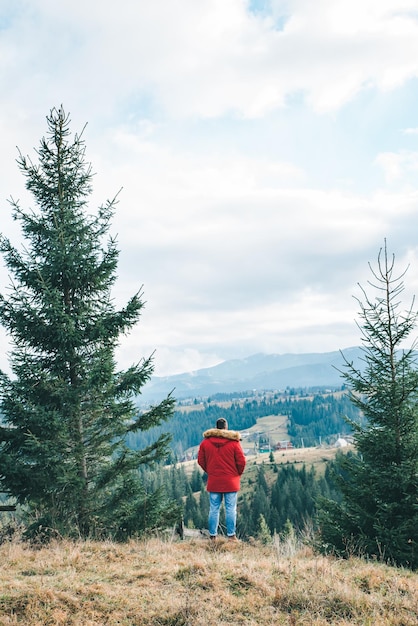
[162,583]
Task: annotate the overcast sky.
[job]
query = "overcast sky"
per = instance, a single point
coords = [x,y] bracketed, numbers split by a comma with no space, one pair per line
[266,149]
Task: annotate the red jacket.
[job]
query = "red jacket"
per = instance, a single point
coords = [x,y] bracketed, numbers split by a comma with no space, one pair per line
[222,458]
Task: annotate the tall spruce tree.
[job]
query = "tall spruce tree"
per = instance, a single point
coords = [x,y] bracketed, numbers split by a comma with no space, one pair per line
[66,409]
[378,515]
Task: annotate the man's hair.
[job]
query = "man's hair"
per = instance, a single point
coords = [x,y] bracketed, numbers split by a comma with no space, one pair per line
[222,424]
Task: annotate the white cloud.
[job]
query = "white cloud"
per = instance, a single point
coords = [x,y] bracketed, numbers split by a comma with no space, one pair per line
[230,132]
[209,58]
[398,165]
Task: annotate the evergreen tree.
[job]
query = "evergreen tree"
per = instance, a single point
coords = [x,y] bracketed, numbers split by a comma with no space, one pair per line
[192,516]
[204,505]
[263,532]
[66,410]
[245,522]
[378,515]
[260,503]
[196,481]
[177,484]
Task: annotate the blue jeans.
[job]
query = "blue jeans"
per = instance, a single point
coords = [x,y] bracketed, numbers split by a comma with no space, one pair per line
[230,500]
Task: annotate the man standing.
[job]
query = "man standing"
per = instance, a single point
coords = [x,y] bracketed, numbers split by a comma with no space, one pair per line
[222,458]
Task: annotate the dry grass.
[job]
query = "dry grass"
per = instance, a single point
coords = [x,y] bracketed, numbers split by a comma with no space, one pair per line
[157,582]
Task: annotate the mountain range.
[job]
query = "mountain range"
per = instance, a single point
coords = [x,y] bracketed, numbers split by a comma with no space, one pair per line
[259,371]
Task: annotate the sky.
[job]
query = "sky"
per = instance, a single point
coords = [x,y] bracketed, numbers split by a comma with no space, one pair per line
[264,149]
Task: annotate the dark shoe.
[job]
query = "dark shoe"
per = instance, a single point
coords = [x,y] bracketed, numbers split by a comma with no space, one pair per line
[213,537]
[233,538]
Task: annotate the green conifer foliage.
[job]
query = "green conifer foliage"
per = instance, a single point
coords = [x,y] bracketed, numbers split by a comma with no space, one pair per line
[378,515]
[263,532]
[67,410]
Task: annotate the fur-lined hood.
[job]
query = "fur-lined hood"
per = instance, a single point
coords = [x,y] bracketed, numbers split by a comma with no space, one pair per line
[221,432]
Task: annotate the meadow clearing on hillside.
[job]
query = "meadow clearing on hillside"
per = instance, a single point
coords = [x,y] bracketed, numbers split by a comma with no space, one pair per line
[160,582]
[318,457]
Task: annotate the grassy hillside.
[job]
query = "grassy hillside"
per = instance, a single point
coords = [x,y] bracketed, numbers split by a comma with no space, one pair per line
[158,582]
[318,457]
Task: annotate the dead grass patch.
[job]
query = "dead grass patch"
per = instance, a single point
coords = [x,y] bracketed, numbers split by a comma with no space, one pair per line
[195,583]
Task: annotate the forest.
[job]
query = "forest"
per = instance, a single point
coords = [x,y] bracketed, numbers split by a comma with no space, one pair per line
[275,498]
[313,416]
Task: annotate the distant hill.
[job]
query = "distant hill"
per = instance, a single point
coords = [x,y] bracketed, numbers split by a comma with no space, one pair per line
[259,371]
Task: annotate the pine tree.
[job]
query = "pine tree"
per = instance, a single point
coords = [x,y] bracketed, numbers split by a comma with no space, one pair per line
[245,523]
[66,409]
[260,504]
[263,531]
[378,515]
[196,481]
[203,506]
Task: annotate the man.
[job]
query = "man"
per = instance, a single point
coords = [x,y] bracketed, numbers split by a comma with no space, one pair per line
[222,458]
